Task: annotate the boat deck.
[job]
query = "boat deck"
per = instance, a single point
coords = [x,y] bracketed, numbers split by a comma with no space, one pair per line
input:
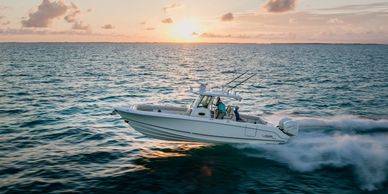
[187,111]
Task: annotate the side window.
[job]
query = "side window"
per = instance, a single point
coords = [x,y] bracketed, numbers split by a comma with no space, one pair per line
[215,100]
[204,102]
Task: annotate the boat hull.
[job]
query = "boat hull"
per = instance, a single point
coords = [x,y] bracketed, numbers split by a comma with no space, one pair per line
[193,129]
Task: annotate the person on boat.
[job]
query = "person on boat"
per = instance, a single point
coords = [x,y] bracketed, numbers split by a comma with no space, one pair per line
[221,109]
[237,114]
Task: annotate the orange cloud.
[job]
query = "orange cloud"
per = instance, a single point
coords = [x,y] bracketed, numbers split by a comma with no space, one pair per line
[227,17]
[167,21]
[108,26]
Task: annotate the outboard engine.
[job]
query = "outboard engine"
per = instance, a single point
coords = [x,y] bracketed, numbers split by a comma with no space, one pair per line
[289,126]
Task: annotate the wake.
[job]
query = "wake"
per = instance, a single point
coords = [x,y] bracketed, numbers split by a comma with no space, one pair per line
[336,142]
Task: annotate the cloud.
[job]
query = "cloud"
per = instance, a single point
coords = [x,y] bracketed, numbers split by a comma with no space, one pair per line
[72,16]
[302,21]
[359,7]
[364,26]
[49,35]
[292,21]
[171,7]
[45,34]
[107,26]
[227,17]
[47,11]
[245,36]
[2,21]
[279,6]
[334,21]
[150,28]
[213,35]
[167,20]
[79,25]
[74,13]
[29,31]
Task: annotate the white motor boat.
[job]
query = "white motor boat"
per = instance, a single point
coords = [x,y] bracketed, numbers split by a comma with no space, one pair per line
[201,121]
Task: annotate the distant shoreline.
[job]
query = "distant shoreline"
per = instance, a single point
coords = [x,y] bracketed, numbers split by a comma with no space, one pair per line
[194,43]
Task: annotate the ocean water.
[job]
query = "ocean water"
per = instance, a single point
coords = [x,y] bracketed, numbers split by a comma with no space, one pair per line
[57,134]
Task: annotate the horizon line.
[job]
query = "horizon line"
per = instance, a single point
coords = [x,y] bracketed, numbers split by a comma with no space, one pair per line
[144,42]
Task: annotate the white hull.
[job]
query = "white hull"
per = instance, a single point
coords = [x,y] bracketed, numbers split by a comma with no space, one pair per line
[177,127]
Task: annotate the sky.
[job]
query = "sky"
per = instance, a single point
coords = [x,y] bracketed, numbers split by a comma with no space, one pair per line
[235,21]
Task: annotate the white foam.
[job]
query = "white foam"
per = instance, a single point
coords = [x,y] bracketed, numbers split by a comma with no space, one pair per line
[344,122]
[366,154]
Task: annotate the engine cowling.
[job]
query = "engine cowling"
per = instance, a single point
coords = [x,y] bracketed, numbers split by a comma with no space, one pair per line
[289,126]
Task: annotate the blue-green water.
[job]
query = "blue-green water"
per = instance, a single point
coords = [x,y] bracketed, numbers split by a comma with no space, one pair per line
[57,136]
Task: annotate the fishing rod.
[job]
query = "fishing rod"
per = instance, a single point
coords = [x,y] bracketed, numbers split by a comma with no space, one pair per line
[235,79]
[243,81]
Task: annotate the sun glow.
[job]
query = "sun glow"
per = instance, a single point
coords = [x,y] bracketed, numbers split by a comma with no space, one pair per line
[185,31]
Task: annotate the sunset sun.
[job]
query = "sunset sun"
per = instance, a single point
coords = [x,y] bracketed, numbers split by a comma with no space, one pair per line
[185,31]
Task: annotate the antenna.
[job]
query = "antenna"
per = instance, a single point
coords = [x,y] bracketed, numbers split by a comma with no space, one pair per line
[243,81]
[235,79]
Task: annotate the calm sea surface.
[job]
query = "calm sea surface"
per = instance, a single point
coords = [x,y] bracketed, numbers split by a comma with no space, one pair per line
[57,134]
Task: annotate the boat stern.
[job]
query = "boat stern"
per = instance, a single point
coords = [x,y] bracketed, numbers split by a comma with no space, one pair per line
[289,126]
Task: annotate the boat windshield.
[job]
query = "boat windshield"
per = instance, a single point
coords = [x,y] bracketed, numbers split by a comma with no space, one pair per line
[205,101]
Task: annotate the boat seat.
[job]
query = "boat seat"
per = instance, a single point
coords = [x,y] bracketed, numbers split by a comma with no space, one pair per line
[229,114]
[253,119]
